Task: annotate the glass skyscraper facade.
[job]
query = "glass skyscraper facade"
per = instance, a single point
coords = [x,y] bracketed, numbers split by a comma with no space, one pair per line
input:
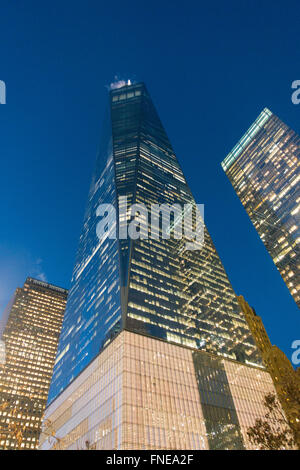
[264,169]
[149,286]
[155,352]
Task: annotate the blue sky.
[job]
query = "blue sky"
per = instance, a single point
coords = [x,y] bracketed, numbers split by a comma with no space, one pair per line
[210,70]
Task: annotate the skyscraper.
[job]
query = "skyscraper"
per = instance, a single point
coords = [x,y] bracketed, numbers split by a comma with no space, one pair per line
[30,337]
[154,348]
[264,170]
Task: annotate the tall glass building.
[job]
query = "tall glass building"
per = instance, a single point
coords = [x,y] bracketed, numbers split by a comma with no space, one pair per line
[154,343]
[264,169]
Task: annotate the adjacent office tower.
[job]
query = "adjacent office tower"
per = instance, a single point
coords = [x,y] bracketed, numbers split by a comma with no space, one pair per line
[264,169]
[34,319]
[155,352]
[285,378]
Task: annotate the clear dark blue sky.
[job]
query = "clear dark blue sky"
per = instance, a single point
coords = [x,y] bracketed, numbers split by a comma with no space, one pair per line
[210,70]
